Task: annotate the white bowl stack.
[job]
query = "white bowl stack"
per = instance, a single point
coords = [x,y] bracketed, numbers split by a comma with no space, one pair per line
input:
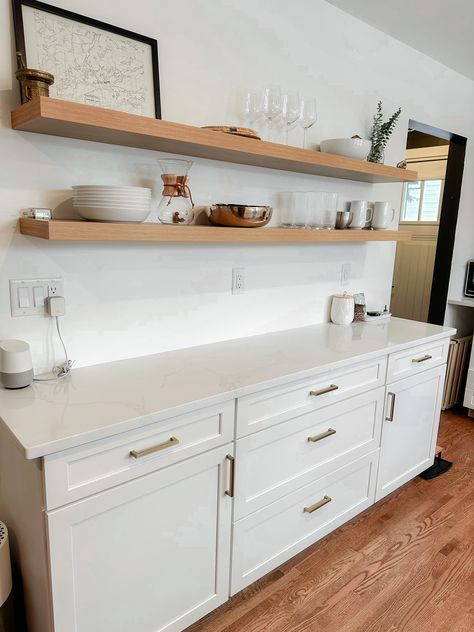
[112,204]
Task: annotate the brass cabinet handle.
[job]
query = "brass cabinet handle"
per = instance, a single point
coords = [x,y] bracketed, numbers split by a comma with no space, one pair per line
[318,505]
[321,391]
[323,435]
[230,491]
[423,358]
[138,454]
[389,417]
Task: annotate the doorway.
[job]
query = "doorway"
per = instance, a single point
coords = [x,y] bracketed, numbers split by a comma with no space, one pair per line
[429,209]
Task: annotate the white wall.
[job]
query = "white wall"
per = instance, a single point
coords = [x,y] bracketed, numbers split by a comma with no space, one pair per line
[130,299]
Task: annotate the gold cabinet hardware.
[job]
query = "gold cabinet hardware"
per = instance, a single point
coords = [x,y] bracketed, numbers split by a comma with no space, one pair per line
[389,417]
[318,505]
[230,491]
[138,454]
[323,435]
[423,358]
[321,391]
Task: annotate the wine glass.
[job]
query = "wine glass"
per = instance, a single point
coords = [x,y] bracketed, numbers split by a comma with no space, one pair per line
[272,104]
[308,116]
[290,110]
[252,107]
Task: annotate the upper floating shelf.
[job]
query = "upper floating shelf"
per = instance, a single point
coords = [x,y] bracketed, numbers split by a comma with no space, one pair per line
[46,115]
[68,230]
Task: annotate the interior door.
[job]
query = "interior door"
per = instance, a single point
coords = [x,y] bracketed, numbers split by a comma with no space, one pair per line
[413,273]
[149,555]
[410,428]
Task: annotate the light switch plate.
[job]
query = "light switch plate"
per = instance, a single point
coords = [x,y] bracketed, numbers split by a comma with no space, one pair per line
[31,291]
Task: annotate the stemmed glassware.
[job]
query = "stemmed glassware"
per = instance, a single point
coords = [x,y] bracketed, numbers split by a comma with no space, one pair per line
[252,107]
[290,110]
[272,105]
[308,116]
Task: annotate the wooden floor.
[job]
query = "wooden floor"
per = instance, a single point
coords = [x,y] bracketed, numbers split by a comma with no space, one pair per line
[406,564]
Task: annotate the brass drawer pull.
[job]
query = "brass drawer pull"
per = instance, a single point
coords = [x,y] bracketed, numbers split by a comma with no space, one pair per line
[389,417]
[423,358]
[323,435]
[138,454]
[230,491]
[322,391]
[318,505]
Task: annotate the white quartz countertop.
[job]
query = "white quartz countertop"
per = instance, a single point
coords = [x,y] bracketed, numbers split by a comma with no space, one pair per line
[106,399]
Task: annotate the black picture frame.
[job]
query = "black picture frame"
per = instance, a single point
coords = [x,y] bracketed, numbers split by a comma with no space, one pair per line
[76,17]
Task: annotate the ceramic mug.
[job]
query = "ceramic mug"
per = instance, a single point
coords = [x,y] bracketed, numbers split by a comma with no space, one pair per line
[361,215]
[383,215]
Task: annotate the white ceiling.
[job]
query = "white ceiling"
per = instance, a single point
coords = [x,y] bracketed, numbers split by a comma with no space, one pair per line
[442,29]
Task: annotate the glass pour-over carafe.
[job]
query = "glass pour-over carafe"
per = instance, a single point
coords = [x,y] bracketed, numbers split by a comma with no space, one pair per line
[176,206]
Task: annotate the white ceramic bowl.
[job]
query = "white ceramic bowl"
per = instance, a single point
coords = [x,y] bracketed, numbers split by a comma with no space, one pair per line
[351,147]
[113,215]
[118,209]
[108,189]
[101,194]
[110,200]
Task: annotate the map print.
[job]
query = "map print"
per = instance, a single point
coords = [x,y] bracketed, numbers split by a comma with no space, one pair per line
[93,66]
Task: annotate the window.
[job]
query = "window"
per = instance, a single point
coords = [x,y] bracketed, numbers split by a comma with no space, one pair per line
[422,201]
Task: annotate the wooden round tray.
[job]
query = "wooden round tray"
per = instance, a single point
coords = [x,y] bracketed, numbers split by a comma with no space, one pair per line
[236,131]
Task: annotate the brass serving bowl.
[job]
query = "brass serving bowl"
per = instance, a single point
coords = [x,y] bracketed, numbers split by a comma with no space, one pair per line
[239,215]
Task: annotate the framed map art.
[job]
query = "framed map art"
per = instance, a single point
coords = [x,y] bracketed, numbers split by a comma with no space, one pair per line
[92,62]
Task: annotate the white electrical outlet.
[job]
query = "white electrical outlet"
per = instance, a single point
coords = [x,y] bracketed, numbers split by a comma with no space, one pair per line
[238,280]
[28,296]
[55,287]
[345,274]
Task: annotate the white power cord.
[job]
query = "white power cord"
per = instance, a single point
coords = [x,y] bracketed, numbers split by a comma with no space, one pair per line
[64,368]
[60,371]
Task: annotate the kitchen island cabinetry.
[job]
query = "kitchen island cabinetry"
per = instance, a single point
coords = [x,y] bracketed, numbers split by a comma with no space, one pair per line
[148,521]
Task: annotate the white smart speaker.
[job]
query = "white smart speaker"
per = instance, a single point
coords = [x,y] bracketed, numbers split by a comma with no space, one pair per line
[16,366]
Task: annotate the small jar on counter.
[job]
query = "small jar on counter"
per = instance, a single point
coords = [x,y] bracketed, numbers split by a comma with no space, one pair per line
[342,309]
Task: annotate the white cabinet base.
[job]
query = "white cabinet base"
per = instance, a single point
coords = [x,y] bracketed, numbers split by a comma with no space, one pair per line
[150,555]
[410,428]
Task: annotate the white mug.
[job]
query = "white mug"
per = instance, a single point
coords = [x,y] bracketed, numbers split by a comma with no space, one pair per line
[383,215]
[361,215]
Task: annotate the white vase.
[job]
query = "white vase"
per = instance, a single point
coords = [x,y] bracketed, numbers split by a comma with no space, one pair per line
[342,309]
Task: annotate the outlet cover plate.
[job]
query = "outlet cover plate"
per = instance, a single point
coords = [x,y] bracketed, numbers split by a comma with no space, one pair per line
[238,280]
[35,291]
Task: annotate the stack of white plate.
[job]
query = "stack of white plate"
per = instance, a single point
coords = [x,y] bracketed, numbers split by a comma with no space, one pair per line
[112,204]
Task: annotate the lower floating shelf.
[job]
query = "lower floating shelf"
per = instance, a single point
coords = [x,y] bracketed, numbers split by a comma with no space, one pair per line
[66,230]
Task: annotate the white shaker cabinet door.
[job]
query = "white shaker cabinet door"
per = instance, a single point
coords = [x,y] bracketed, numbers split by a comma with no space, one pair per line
[149,555]
[410,428]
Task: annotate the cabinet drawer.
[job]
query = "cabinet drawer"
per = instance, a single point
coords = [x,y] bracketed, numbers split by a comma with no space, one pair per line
[79,472]
[274,405]
[416,359]
[272,535]
[280,460]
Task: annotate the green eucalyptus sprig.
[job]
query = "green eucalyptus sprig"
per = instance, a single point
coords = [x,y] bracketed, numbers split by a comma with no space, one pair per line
[381,133]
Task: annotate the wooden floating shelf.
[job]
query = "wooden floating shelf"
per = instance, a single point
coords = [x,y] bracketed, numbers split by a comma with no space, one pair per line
[65,230]
[56,117]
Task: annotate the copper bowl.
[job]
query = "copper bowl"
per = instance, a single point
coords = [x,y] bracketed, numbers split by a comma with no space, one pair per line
[239,215]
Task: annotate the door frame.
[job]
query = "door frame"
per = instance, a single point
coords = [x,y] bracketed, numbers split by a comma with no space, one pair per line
[447,219]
